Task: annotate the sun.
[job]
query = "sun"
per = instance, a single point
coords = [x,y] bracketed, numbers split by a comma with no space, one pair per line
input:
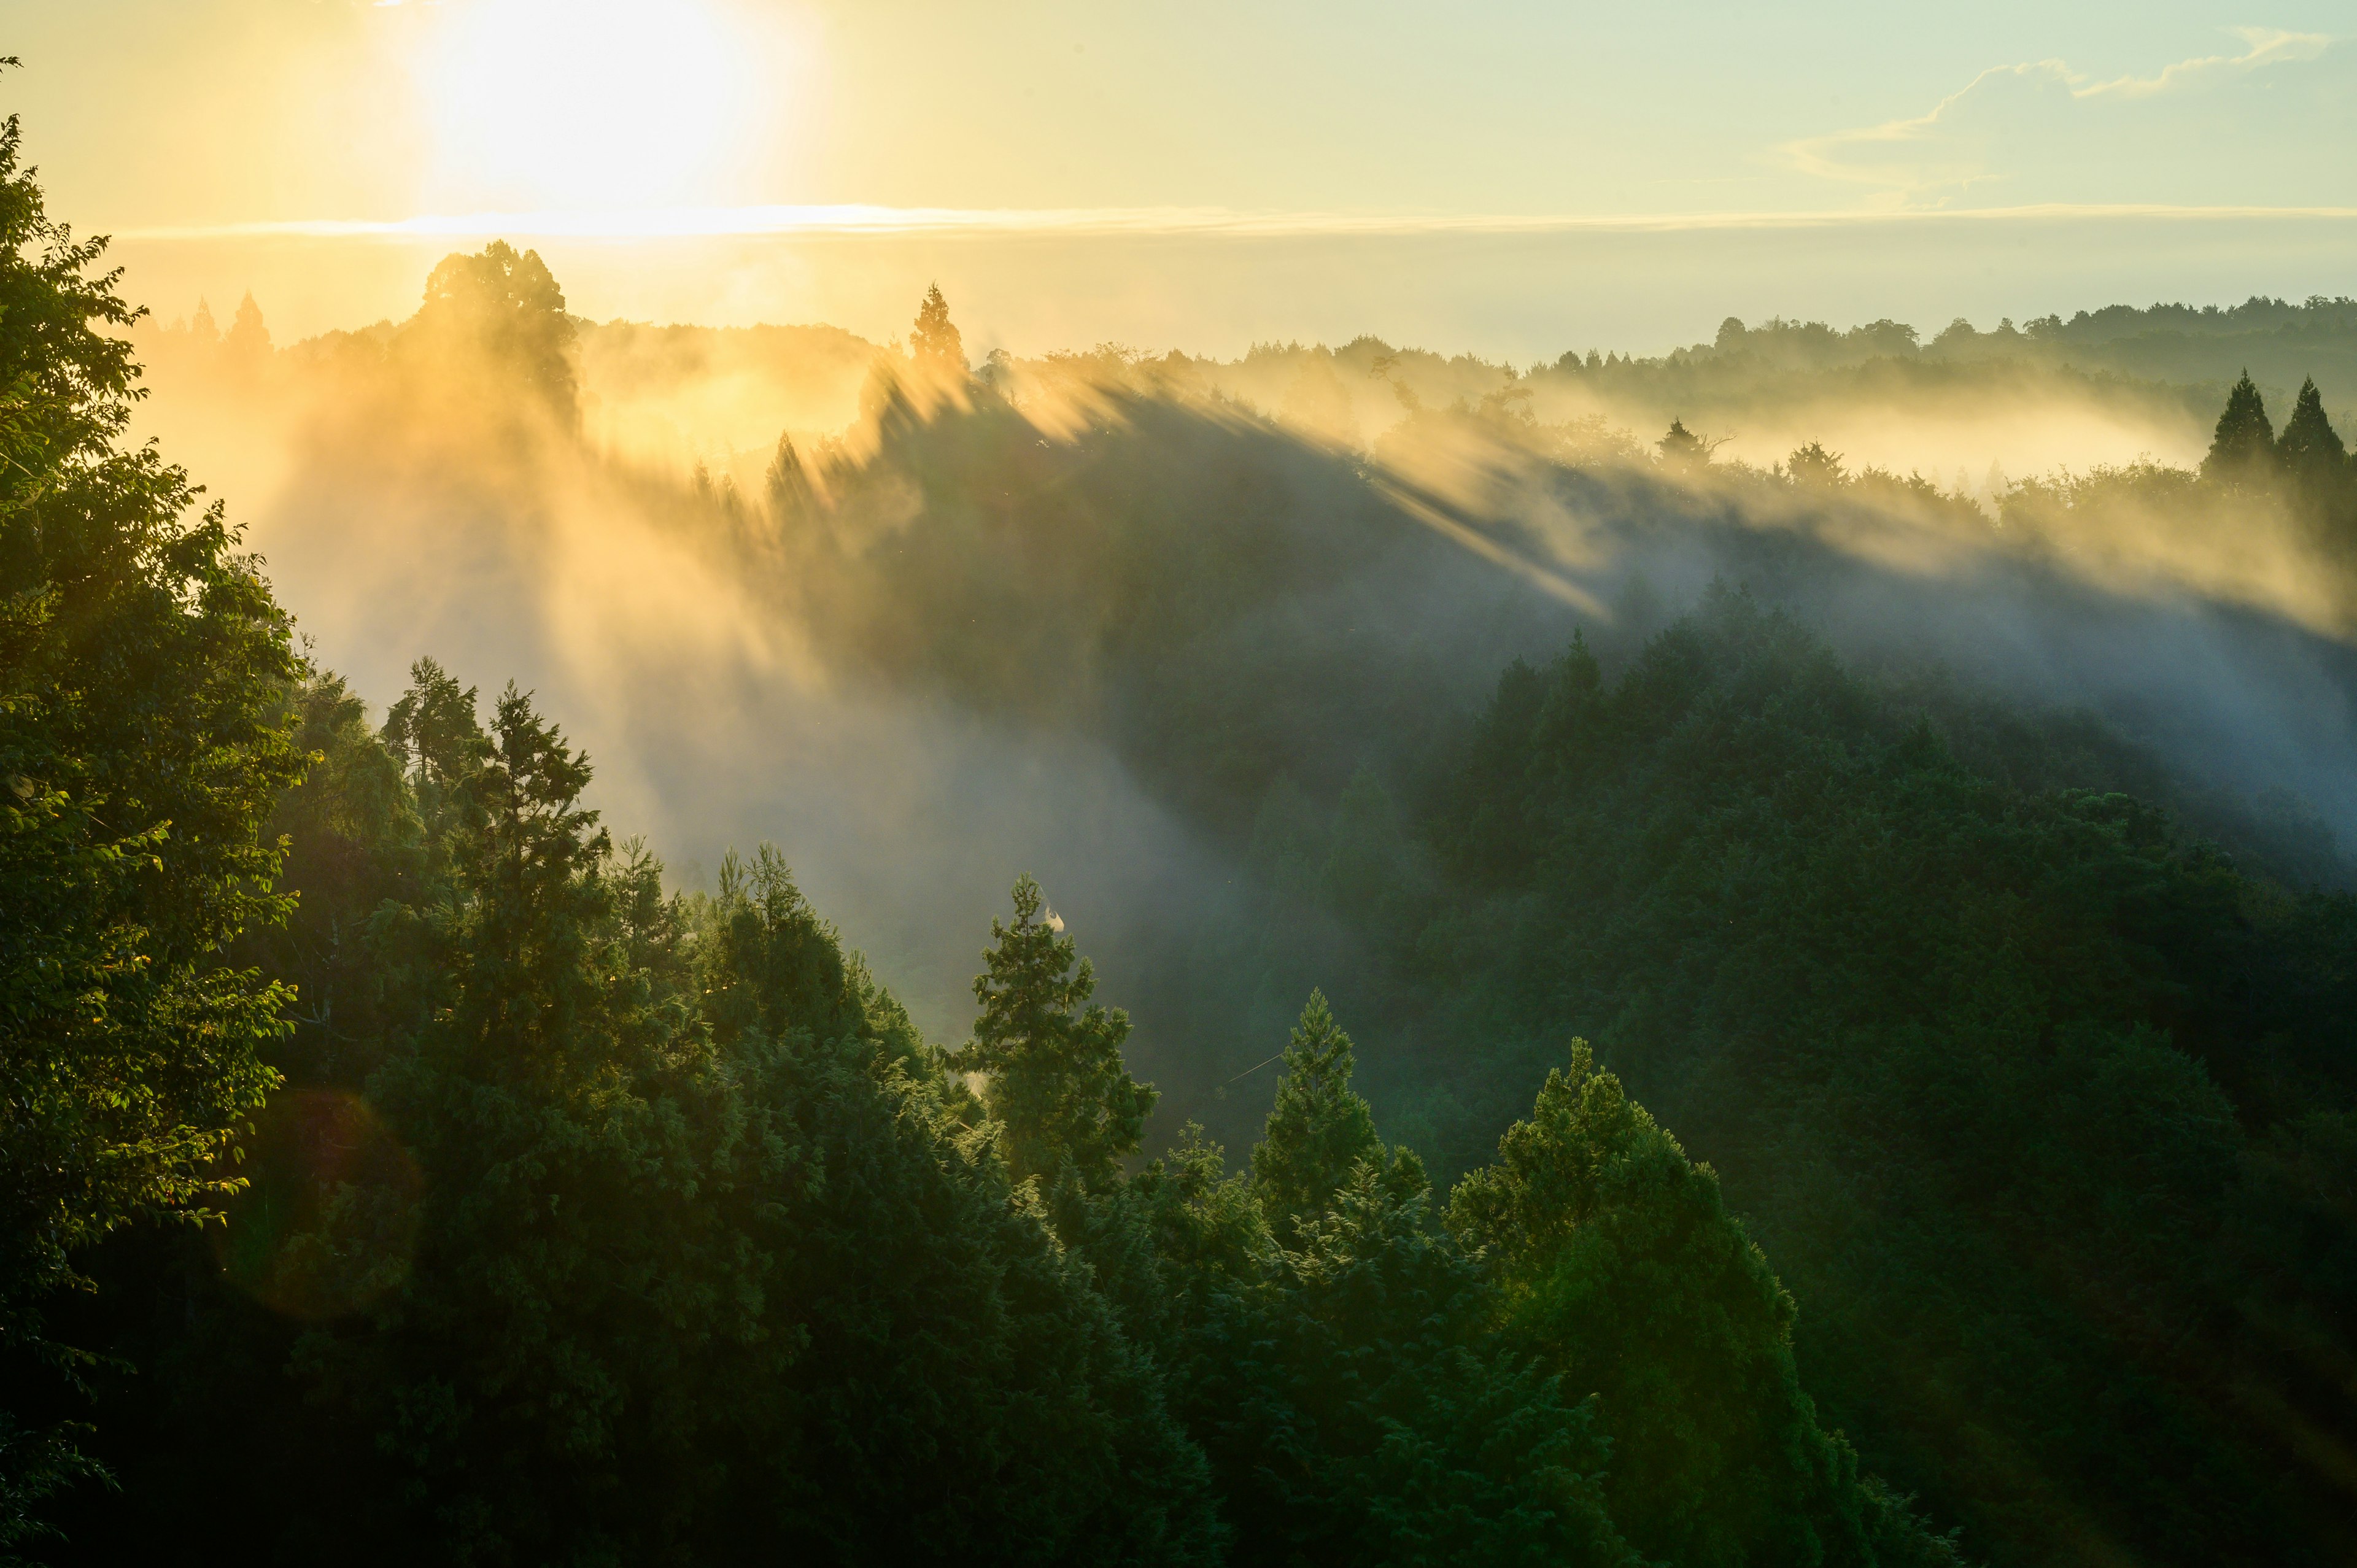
[589,102]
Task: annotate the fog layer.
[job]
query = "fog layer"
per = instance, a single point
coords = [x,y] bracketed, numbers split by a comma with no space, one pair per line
[1117,619]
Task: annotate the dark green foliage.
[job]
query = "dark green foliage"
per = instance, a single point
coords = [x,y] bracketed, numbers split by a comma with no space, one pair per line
[2308,442]
[1346,1391]
[1973,1062]
[600,1224]
[1353,1409]
[2318,471]
[681,1245]
[2242,453]
[1319,1129]
[1057,1083]
[1622,1265]
[142,747]
[34,1467]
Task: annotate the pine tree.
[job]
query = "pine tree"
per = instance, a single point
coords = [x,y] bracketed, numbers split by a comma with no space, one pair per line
[1319,1130]
[2309,444]
[1624,1269]
[1817,468]
[934,342]
[788,486]
[1057,1083]
[2317,465]
[2242,454]
[248,337]
[706,1261]
[1682,449]
[437,743]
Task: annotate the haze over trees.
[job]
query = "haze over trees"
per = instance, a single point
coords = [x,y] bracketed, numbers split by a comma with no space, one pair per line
[1713,1095]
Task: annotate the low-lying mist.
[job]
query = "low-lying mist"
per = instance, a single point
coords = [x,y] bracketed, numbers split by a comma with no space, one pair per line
[1122,621]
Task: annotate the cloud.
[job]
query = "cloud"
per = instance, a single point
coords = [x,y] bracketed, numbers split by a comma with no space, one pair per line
[2268,45]
[2014,121]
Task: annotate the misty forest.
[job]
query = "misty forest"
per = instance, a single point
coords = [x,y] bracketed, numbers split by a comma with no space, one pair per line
[1456,963]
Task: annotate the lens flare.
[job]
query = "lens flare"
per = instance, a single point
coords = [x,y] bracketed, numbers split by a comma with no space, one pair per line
[330,1220]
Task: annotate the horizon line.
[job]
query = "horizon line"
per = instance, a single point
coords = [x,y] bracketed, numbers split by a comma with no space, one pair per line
[854,220]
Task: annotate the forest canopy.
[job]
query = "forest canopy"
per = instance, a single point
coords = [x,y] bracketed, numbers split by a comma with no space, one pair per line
[1705,1089]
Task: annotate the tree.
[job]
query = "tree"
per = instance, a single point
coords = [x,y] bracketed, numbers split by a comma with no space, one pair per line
[699,1258]
[1057,1083]
[497,320]
[933,342]
[248,338]
[1814,467]
[2242,453]
[437,743]
[1355,1408]
[2309,443]
[1684,451]
[141,746]
[2314,460]
[1319,1130]
[1621,1265]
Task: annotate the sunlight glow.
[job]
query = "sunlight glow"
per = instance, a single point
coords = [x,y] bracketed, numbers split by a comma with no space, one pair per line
[578,103]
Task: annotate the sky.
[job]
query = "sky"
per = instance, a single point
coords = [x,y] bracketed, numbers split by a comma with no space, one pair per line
[1509,178]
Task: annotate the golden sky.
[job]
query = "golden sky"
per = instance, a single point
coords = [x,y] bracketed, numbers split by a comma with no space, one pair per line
[1523,177]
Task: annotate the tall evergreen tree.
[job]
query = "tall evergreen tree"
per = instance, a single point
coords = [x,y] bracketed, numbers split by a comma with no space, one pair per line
[1682,450]
[249,336]
[2242,453]
[1622,1265]
[1057,1083]
[1319,1129]
[2309,443]
[2316,465]
[934,341]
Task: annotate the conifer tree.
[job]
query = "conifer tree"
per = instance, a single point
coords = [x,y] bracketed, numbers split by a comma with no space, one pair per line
[788,484]
[2242,454]
[1682,449]
[1057,1083]
[249,338]
[1319,1128]
[432,730]
[1813,467]
[2309,441]
[1623,1267]
[934,341]
[436,740]
[2316,463]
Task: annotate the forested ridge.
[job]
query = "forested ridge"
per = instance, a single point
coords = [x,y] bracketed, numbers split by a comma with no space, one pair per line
[1696,1088]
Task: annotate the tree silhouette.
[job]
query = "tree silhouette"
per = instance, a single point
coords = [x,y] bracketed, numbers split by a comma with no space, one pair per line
[2242,454]
[934,342]
[501,313]
[248,337]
